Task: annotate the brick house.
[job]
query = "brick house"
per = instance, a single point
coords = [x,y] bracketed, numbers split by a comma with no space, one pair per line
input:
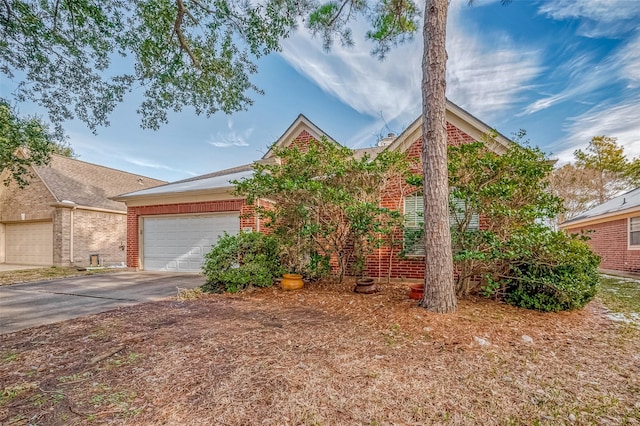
[615,231]
[64,215]
[171,227]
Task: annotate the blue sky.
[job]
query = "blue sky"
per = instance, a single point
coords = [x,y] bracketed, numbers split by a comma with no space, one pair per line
[564,70]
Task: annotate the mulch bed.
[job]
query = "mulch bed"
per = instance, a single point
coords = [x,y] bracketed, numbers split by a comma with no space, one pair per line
[322,355]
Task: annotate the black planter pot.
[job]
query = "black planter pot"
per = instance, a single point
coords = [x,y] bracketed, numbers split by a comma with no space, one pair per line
[365,286]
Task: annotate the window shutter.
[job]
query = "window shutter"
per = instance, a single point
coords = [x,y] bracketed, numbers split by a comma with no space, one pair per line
[413,225]
[414,220]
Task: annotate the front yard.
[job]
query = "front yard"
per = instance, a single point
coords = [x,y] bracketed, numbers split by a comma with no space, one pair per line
[326,356]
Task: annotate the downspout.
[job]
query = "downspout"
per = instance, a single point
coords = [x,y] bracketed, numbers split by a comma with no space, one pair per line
[71,237]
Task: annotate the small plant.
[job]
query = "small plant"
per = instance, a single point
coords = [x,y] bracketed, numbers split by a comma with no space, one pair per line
[118,360]
[241,261]
[75,377]
[189,293]
[9,356]
[11,392]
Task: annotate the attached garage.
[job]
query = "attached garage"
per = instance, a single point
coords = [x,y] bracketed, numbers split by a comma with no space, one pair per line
[29,243]
[178,243]
[172,227]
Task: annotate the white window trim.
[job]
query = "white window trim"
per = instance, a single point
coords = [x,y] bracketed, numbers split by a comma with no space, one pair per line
[629,245]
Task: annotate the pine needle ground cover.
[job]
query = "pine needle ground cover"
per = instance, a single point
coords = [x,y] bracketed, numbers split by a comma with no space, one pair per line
[323,355]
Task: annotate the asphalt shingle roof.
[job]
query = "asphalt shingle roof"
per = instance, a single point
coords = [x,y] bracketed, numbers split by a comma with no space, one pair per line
[210,181]
[89,184]
[625,201]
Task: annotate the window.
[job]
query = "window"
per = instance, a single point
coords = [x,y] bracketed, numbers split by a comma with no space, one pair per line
[413,225]
[634,231]
[414,220]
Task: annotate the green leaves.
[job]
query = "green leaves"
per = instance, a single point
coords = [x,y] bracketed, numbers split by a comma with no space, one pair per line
[392,22]
[182,53]
[549,270]
[25,142]
[324,201]
[241,261]
[511,189]
[525,263]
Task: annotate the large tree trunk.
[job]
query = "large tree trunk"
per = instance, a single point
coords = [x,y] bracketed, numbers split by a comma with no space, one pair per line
[439,289]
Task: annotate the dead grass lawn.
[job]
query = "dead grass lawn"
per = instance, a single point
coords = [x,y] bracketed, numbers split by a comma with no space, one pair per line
[322,356]
[50,273]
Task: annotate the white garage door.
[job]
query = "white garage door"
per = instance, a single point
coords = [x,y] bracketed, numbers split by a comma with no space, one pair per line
[29,243]
[180,243]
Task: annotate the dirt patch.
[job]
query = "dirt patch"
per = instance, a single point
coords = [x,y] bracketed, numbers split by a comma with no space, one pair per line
[322,356]
[50,273]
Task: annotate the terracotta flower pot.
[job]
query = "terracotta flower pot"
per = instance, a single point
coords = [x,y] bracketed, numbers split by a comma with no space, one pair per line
[416,291]
[291,282]
[365,286]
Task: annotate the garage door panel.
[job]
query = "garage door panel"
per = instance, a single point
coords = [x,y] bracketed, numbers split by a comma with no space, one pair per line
[180,243]
[29,243]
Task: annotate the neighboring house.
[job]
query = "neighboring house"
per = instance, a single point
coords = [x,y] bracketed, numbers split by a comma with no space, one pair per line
[171,227]
[64,217]
[615,231]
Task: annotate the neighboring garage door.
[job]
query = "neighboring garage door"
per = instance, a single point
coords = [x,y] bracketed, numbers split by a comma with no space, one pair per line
[29,243]
[179,243]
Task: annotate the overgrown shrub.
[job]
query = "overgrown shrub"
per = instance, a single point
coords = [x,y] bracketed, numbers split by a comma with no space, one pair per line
[547,270]
[240,261]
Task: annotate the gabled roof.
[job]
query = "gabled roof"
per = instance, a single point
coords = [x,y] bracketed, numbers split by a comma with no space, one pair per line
[464,121]
[299,124]
[220,180]
[621,205]
[87,184]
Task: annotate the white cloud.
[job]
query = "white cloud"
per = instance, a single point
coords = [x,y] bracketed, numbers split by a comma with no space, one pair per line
[619,121]
[582,75]
[484,79]
[143,162]
[231,138]
[627,62]
[599,18]
[110,152]
[388,88]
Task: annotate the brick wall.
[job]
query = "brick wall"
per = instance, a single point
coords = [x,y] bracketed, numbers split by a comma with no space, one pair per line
[302,141]
[610,241]
[94,232]
[247,219]
[34,201]
[61,237]
[99,233]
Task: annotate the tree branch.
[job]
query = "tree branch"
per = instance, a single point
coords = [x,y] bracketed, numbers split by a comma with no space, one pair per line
[177,28]
[202,6]
[338,13]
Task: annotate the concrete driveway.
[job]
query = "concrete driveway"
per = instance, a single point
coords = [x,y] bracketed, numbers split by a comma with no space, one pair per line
[32,304]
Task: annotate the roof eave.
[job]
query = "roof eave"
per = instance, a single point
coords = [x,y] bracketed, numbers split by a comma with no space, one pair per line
[461,119]
[599,218]
[132,196]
